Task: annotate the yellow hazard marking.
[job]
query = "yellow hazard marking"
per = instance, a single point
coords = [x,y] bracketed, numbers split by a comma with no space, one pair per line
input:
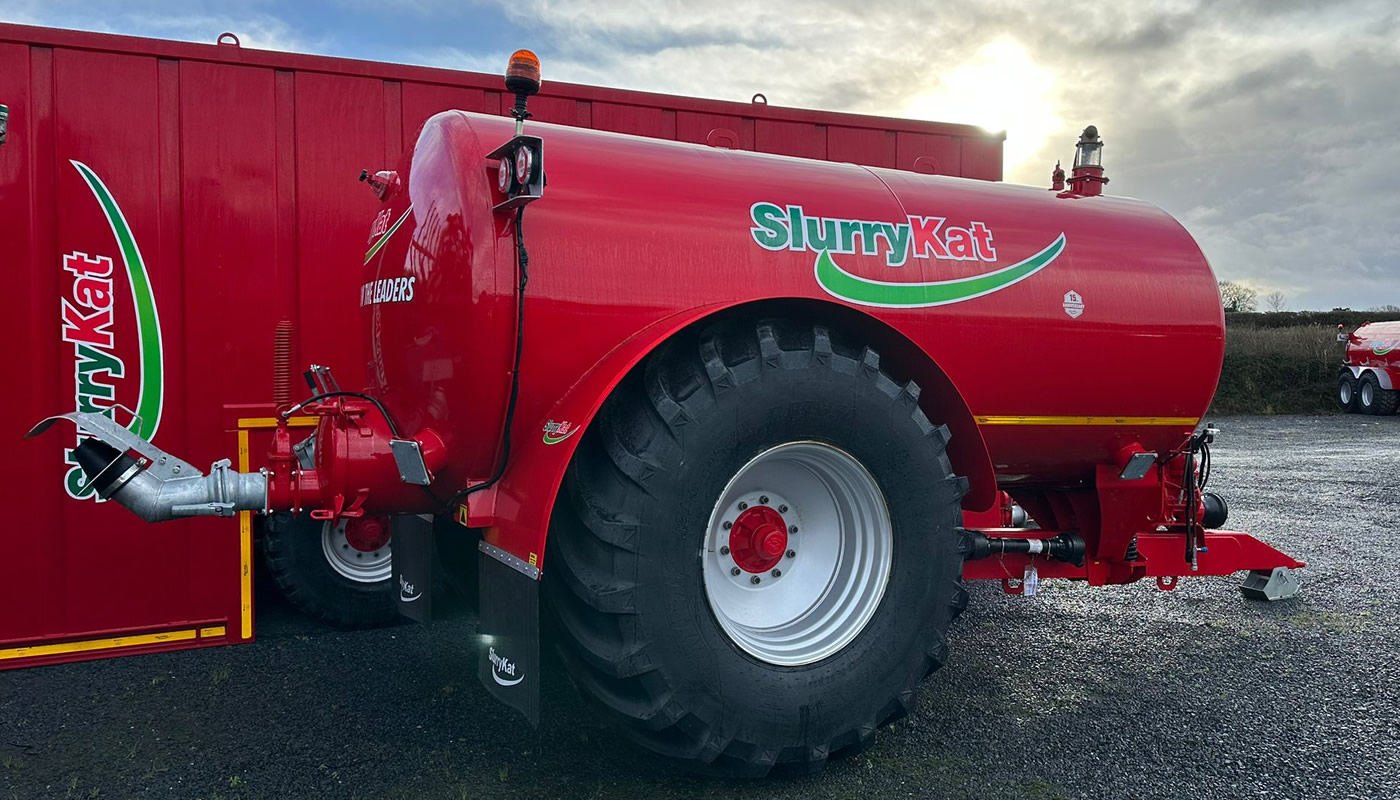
[211,632]
[60,648]
[534,560]
[1126,421]
[245,546]
[271,422]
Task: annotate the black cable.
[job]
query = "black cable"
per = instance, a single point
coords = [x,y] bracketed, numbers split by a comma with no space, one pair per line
[393,429]
[522,258]
[1205,466]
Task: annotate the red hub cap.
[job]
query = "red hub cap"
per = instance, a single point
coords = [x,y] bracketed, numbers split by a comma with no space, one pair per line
[758,539]
[367,534]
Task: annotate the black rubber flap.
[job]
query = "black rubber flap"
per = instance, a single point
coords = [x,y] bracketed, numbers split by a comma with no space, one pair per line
[413,565]
[509,662]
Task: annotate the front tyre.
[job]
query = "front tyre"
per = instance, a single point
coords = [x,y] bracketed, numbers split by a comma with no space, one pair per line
[756,558]
[338,573]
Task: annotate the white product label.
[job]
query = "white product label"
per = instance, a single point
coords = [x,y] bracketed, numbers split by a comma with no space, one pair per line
[1074,304]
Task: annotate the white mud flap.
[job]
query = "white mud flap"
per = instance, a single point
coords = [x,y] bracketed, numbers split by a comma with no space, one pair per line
[413,566]
[509,662]
[1280,584]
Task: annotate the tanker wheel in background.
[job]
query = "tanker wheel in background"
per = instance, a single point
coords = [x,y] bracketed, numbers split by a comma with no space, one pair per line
[1383,401]
[341,574]
[1346,391]
[1368,392]
[755,559]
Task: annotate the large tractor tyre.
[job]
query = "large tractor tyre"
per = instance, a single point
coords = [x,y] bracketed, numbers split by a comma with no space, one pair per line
[1346,391]
[1372,399]
[338,573]
[756,558]
[1387,401]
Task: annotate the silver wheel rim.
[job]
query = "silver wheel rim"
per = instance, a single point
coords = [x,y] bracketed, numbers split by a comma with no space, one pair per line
[1344,391]
[356,565]
[1368,394]
[832,575]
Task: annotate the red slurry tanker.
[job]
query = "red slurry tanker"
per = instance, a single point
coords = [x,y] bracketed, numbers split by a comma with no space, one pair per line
[728,409]
[1369,381]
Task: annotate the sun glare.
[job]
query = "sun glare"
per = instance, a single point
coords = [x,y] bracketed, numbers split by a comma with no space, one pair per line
[1001,88]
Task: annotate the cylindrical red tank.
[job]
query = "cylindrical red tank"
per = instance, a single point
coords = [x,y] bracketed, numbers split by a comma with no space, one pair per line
[1375,345]
[1113,336]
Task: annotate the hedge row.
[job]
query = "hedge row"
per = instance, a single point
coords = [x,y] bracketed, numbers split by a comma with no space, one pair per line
[1278,370]
[1292,319]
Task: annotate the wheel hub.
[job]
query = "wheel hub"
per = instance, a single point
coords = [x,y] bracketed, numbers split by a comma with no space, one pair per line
[798,553]
[367,534]
[758,539]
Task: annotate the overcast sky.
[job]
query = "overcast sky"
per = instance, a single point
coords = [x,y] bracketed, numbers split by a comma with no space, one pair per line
[1271,128]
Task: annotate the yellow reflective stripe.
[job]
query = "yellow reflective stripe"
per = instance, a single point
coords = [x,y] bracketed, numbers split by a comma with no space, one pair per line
[1126,421]
[271,422]
[38,650]
[245,546]
[211,631]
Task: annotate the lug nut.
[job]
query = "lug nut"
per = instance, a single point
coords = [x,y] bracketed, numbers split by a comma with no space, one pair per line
[763,499]
[782,509]
[734,571]
[728,525]
[792,529]
[754,580]
[777,573]
[724,551]
[792,554]
[743,506]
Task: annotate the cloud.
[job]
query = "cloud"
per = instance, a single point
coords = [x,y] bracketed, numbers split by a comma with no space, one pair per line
[1266,126]
[192,21]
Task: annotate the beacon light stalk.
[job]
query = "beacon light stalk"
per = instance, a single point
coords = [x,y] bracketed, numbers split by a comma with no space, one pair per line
[523,80]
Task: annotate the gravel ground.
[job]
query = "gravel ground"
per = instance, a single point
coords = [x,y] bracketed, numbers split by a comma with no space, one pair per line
[1124,692]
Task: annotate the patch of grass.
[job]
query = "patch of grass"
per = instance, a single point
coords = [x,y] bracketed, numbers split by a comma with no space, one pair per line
[219,675]
[1331,621]
[11,761]
[1041,789]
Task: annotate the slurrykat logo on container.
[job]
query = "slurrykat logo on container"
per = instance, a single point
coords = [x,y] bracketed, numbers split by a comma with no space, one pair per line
[105,376]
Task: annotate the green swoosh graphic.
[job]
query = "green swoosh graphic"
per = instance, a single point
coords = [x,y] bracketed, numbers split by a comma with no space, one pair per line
[379,243]
[867,292]
[1381,352]
[557,439]
[152,396]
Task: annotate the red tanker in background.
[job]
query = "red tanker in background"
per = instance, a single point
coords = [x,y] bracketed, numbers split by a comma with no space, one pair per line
[1369,381]
[728,408]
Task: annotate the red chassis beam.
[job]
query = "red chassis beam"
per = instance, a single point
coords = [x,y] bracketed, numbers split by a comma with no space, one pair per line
[1161,555]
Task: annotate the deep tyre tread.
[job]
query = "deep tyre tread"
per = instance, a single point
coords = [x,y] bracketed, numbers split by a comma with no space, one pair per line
[1387,401]
[634,625]
[294,558]
[1377,406]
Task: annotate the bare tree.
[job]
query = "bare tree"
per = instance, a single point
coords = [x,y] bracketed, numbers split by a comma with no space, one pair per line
[1275,300]
[1237,296]
[1388,308]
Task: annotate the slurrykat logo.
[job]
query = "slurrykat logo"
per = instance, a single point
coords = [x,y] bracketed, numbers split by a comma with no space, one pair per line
[88,318]
[500,665]
[777,227]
